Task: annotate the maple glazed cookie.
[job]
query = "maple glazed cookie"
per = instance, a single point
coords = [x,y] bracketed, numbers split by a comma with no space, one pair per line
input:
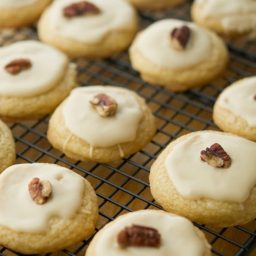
[227,17]
[45,208]
[34,79]
[7,152]
[90,29]
[151,233]
[198,176]
[235,108]
[178,54]
[101,124]
[155,5]
[17,13]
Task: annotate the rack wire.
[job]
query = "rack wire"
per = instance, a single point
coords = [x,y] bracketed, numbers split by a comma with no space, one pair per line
[123,186]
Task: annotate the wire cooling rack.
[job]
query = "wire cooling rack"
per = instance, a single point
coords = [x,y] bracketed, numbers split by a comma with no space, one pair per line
[123,186]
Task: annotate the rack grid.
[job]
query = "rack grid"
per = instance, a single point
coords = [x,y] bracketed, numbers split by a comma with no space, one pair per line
[123,186]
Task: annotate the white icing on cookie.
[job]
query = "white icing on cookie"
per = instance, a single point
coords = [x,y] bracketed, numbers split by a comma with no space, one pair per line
[115,15]
[85,122]
[175,232]
[238,15]
[154,43]
[20,213]
[47,70]
[240,99]
[16,3]
[195,179]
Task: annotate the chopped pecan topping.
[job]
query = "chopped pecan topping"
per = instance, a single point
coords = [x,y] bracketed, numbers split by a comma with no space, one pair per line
[104,104]
[180,37]
[80,8]
[216,156]
[16,66]
[40,190]
[139,236]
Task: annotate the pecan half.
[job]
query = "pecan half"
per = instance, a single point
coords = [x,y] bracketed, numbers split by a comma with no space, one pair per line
[254,97]
[180,37]
[80,8]
[16,66]
[216,156]
[40,190]
[104,104]
[139,236]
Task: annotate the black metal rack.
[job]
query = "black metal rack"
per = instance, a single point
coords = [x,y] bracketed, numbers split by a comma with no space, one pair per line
[123,186]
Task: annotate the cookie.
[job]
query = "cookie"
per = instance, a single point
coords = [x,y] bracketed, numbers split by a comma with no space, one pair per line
[7,152]
[235,108]
[208,177]
[178,55]
[90,29]
[227,17]
[101,124]
[155,5]
[151,233]
[45,208]
[34,79]
[17,13]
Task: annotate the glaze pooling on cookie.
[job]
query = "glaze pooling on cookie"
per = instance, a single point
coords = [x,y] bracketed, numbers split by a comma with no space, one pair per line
[239,99]
[84,122]
[175,231]
[154,43]
[20,213]
[16,3]
[195,179]
[91,29]
[234,15]
[48,66]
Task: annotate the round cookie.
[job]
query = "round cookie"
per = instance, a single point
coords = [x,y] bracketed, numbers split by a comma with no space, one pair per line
[151,233]
[101,124]
[178,55]
[90,29]
[227,17]
[17,13]
[235,108]
[155,5]
[34,79]
[45,208]
[7,152]
[198,176]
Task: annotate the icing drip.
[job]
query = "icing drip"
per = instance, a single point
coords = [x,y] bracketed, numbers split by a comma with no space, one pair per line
[195,179]
[121,152]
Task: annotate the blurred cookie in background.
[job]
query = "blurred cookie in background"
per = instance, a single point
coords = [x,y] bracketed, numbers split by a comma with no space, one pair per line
[19,13]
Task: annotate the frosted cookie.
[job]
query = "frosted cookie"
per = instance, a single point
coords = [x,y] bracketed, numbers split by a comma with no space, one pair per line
[101,124]
[151,233]
[90,29]
[18,13]
[34,79]
[155,5]
[45,208]
[208,177]
[7,146]
[234,110]
[177,54]
[227,17]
